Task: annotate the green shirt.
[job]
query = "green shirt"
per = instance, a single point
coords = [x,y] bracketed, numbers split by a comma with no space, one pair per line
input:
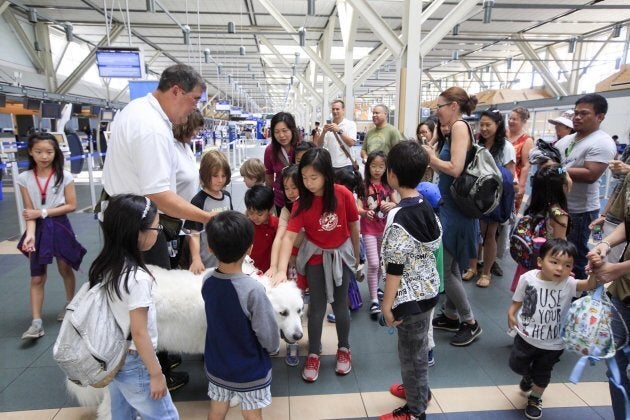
[381,139]
[620,288]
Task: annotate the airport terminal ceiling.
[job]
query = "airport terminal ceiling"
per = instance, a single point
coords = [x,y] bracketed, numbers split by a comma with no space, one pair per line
[268,55]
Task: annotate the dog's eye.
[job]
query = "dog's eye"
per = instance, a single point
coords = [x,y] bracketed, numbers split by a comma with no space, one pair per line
[299,311]
[284,313]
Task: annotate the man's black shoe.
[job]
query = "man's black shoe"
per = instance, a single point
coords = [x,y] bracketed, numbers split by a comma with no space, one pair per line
[176,380]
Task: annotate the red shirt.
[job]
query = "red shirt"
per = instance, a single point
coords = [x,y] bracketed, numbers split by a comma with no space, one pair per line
[329,230]
[263,239]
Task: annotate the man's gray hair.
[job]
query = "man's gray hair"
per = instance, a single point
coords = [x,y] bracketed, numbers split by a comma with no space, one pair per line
[384,107]
[182,75]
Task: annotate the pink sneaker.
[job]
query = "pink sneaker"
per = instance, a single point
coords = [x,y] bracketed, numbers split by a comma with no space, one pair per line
[344,361]
[311,368]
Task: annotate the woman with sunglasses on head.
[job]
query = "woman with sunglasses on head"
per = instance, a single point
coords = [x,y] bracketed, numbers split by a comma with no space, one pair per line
[460,232]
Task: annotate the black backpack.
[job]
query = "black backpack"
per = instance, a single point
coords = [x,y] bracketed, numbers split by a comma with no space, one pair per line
[478,190]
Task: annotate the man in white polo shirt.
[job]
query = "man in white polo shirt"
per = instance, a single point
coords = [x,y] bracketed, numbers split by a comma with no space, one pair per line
[346,132]
[141,160]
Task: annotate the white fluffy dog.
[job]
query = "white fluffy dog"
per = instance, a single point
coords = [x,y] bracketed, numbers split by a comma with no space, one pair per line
[181,319]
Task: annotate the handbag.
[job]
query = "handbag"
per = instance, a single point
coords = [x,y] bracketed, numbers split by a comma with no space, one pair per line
[355,302]
[355,165]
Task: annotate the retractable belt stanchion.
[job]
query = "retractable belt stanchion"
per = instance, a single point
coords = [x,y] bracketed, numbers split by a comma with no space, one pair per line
[18,196]
[90,165]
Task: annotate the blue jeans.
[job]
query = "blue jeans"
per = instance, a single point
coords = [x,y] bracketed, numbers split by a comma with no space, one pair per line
[579,234]
[130,394]
[619,332]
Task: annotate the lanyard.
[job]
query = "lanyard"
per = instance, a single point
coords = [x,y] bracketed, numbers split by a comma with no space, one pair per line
[42,191]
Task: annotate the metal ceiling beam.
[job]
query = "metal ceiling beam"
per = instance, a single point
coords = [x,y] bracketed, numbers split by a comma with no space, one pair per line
[474,73]
[378,62]
[3,6]
[541,68]
[24,40]
[43,36]
[457,14]
[380,28]
[88,61]
[554,54]
[275,13]
[263,40]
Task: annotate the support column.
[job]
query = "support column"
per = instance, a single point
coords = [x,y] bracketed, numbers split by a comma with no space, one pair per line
[348,24]
[45,54]
[409,88]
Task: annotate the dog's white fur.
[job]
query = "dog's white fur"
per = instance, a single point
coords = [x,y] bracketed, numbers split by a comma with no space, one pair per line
[181,319]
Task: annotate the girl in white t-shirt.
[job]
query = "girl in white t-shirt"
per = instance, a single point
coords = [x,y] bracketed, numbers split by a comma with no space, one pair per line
[48,195]
[130,227]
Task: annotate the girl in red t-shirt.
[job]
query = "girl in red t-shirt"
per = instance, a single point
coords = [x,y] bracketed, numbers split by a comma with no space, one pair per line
[379,198]
[330,251]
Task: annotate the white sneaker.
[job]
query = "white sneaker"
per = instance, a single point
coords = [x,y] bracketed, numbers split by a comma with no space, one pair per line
[33,332]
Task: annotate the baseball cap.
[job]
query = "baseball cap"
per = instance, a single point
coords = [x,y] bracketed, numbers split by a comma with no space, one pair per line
[564,119]
[431,193]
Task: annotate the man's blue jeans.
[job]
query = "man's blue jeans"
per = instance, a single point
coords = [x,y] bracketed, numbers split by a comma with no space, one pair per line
[578,235]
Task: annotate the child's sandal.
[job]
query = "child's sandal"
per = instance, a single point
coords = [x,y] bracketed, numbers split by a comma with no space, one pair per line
[469,274]
[484,281]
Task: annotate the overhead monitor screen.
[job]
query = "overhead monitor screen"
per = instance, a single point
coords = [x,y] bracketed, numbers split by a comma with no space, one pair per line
[107,115]
[119,62]
[51,110]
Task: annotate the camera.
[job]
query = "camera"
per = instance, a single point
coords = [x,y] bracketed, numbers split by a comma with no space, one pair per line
[328,121]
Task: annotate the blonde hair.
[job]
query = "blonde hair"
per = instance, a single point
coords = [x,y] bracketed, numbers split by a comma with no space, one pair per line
[253,168]
[211,162]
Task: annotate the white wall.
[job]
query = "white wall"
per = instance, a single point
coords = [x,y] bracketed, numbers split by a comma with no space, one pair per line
[617,119]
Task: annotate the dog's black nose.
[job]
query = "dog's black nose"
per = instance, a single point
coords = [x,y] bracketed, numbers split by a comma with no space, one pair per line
[297,336]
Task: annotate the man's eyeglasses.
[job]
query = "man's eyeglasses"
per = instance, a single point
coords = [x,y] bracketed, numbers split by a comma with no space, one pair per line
[159,228]
[438,106]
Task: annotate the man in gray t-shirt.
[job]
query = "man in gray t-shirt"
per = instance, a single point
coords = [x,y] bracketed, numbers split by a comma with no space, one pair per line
[586,156]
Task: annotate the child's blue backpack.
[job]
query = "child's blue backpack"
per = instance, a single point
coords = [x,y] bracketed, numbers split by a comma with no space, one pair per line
[587,330]
[503,211]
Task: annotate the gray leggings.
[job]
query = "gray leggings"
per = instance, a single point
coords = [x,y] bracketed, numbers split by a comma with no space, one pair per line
[456,304]
[317,308]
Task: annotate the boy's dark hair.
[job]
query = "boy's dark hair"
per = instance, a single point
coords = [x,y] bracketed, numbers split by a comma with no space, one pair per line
[303,146]
[230,234]
[408,161]
[259,198]
[599,103]
[557,246]
[352,180]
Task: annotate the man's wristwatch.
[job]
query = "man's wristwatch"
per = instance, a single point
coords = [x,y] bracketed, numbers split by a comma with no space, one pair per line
[44,213]
[340,132]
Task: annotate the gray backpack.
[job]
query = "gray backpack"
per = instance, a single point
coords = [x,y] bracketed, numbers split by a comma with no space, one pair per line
[478,190]
[91,346]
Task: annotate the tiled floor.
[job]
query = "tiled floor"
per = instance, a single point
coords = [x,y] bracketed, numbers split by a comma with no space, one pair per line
[468,383]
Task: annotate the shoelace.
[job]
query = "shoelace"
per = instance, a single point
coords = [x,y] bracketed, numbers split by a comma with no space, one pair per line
[343,357]
[312,362]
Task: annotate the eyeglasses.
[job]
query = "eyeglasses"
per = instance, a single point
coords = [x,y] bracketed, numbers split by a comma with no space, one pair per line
[436,107]
[159,228]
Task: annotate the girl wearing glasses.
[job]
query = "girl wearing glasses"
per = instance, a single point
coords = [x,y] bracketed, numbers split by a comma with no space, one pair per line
[460,233]
[130,227]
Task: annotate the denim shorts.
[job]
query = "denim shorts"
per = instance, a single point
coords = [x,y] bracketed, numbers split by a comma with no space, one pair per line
[250,400]
[130,394]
